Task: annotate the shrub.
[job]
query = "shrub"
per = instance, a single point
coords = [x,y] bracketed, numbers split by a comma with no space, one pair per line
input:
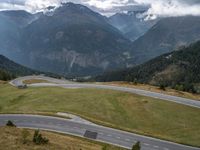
[162,87]
[105,147]
[136,146]
[10,124]
[179,87]
[186,87]
[38,139]
[189,87]
[135,82]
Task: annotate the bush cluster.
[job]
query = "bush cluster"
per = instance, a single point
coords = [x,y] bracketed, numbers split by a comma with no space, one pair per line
[38,139]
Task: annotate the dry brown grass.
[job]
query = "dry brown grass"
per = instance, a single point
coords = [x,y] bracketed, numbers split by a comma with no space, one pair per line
[32,81]
[11,139]
[3,82]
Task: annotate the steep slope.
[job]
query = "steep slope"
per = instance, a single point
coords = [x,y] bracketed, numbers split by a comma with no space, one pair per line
[175,68]
[11,69]
[9,36]
[167,35]
[130,25]
[11,25]
[73,40]
[19,17]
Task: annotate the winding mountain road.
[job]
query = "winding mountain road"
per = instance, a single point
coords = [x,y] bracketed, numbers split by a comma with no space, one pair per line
[68,84]
[92,131]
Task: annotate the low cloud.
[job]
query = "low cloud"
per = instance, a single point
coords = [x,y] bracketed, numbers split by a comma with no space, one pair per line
[170,8]
[28,5]
[40,5]
[155,8]
[109,4]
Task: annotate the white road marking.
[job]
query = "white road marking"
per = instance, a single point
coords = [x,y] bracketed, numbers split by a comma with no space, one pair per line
[156,146]
[100,133]
[146,144]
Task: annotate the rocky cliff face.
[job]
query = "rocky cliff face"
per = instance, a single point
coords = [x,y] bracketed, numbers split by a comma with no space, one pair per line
[73,40]
[68,62]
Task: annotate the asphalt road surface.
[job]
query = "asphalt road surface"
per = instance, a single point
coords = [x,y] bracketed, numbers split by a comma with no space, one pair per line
[94,132]
[67,84]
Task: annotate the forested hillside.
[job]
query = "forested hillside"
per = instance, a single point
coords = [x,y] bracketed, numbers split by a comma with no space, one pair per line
[9,69]
[179,69]
[5,76]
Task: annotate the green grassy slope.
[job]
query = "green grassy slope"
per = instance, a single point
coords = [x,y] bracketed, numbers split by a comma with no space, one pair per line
[126,111]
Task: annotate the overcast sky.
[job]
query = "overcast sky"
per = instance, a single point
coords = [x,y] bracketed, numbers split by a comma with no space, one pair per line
[157,8]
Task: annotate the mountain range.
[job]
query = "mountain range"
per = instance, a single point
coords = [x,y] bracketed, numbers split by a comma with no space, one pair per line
[74,40]
[20,18]
[131,24]
[11,26]
[167,35]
